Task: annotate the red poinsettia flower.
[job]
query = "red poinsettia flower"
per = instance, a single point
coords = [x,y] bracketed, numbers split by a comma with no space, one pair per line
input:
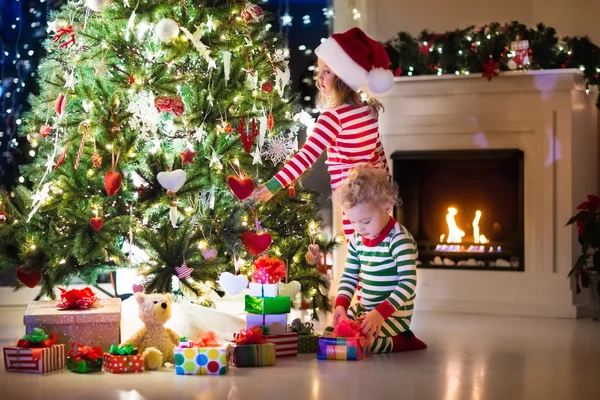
[590,205]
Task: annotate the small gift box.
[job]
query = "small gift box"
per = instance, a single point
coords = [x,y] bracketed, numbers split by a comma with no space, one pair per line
[308,342]
[286,345]
[35,353]
[275,322]
[345,343]
[122,359]
[202,357]
[268,270]
[84,359]
[268,305]
[252,349]
[78,317]
[263,290]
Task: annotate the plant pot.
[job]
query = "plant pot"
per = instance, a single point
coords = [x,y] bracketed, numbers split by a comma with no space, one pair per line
[594,288]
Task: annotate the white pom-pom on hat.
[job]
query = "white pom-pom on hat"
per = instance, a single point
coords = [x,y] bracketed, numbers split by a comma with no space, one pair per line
[380,80]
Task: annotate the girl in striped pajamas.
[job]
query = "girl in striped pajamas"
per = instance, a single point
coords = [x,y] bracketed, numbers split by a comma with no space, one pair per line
[348,128]
[382,254]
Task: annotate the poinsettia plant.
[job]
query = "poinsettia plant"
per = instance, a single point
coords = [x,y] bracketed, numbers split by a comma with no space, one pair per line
[588,233]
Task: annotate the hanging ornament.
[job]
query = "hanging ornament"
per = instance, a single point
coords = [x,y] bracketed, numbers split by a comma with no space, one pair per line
[246,137]
[166,30]
[232,284]
[3,217]
[520,50]
[172,180]
[252,13]
[87,106]
[290,289]
[282,79]
[270,122]
[172,104]
[313,256]
[226,65]
[292,190]
[61,104]
[96,222]
[60,32]
[184,271]
[490,69]
[97,160]
[62,156]
[131,79]
[85,126]
[241,187]
[28,278]
[209,254]
[137,288]
[224,127]
[116,128]
[187,157]
[257,242]
[267,87]
[44,130]
[97,5]
[173,215]
[113,179]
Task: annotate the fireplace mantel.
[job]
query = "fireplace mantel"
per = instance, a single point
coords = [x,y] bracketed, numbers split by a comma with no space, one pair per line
[550,117]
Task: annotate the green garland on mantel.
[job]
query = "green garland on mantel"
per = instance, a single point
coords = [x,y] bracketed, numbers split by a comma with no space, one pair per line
[487,49]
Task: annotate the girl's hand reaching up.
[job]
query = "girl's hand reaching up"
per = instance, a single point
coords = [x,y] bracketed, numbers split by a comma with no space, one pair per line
[262,194]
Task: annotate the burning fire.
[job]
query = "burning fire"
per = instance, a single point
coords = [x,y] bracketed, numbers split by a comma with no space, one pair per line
[455,234]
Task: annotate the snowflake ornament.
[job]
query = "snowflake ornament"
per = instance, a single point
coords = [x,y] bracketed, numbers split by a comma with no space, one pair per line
[145,117]
[279,148]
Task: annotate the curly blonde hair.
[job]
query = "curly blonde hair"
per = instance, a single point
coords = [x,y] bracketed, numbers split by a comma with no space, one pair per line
[366,184]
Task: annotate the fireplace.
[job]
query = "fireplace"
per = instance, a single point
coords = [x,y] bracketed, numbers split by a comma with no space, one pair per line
[464,207]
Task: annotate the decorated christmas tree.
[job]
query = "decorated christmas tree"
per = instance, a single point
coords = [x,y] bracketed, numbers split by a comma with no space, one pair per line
[155,121]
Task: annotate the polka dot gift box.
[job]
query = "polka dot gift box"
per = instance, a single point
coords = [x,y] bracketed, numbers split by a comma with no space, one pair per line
[123,359]
[202,357]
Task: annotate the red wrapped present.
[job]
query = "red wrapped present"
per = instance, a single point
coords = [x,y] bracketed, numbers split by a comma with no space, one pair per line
[35,353]
[122,359]
[286,345]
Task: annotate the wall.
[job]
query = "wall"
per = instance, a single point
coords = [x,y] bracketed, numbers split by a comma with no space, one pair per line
[383,19]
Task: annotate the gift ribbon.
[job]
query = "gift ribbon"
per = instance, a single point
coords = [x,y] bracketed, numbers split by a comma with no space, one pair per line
[126,350]
[37,339]
[80,352]
[347,328]
[75,298]
[254,335]
[268,270]
[301,328]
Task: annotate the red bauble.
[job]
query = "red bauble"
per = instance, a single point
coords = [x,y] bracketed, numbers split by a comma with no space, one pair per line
[267,87]
[96,223]
[112,182]
[44,130]
[241,188]
[29,279]
[256,243]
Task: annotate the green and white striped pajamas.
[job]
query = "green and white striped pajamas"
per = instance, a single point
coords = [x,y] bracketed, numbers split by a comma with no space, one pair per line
[386,268]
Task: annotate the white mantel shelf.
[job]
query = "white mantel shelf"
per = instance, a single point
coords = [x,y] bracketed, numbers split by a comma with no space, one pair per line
[550,117]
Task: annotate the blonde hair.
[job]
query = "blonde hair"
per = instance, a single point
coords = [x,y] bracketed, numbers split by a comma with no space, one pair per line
[344,94]
[366,184]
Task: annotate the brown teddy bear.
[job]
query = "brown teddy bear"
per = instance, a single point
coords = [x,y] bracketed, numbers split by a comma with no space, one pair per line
[154,341]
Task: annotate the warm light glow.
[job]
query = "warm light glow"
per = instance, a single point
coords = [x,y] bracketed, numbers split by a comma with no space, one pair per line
[476,226]
[455,234]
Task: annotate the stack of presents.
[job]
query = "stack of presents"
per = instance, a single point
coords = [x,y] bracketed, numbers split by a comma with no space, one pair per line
[82,333]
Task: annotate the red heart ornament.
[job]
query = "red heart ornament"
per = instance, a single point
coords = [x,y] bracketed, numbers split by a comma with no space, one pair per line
[241,188]
[256,243]
[44,130]
[112,182]
[96,223]
[29,279]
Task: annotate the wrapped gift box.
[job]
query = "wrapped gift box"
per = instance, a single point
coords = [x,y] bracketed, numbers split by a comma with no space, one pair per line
[308,343]
[254,355]
[34,360]
[123,364]
[342,348]
[99,325]
[266,290]
[202,360]
[276,323]
[286,345]
[268,305]
[84,366]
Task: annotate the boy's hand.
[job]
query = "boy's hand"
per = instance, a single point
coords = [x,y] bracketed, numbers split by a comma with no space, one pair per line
[372,322]
[338,313]
[262,194]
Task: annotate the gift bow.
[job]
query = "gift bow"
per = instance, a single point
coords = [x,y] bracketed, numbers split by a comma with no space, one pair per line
[209,339]
[347,328]
[76,298]
[80,352]
[254,335]
[301,328]
[37,338]
[268,270]
[125,350]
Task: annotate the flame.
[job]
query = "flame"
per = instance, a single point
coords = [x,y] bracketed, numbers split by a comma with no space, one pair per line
[455,234]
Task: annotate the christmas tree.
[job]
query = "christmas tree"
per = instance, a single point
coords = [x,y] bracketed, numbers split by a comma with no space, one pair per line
[155,119]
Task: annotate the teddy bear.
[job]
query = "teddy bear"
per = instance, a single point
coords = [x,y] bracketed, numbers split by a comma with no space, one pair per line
[154,341]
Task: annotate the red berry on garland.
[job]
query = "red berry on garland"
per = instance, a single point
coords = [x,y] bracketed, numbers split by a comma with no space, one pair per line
[44,130]
[267,87]
[96,223]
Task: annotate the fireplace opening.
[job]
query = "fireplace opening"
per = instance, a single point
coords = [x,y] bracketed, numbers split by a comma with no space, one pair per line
[463,207]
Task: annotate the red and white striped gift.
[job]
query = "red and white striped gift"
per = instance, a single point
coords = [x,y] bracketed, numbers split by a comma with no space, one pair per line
[36,360]
[285,345]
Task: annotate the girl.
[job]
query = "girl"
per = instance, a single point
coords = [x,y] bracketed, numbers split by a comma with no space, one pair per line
[348,129]
[382,254]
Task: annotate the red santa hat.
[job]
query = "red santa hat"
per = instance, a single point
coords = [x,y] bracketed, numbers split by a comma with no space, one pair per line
[357,59]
